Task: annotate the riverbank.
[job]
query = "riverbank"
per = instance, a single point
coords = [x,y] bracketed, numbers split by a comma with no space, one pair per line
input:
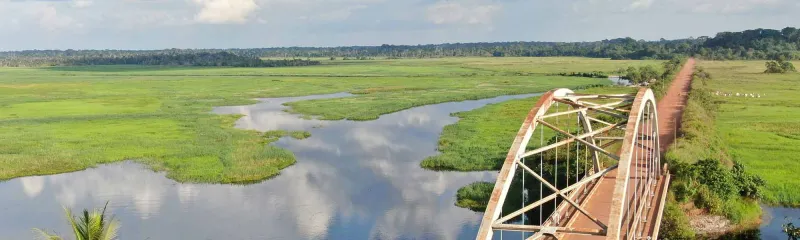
[351,180]
[56,120]
[713,181]
[763,132]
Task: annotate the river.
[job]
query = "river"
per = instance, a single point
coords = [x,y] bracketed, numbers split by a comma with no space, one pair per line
[352,180]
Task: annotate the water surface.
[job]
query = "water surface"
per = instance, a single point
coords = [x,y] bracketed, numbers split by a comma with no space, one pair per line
[352,180]
[618,80]
[773,219]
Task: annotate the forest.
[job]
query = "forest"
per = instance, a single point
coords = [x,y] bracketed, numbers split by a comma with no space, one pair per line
[155,58]
[745,45]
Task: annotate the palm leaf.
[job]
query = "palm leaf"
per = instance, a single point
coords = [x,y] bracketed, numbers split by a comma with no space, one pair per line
[94,225]
[46,236]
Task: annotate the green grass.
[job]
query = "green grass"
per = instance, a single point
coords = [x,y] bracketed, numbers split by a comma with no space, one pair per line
[474,196]
[63,119]
[300,134]
[763,133]
[274,135]
[481,138]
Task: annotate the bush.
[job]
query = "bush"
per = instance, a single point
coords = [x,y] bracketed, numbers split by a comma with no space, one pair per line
[683,191]
[675,225]
[706,199]
[779,66]
[749,185]
[700,73]
[711,173]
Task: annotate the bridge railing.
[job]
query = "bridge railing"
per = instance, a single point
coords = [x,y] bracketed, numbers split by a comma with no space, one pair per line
[584,134]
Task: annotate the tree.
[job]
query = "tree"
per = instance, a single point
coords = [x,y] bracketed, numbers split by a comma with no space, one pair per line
[94,225]
[648,73]
[632,74]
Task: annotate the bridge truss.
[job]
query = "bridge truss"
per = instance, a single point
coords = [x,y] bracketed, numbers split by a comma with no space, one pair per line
[592,167]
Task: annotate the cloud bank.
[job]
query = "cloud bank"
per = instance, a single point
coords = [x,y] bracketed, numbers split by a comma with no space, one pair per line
[148,24]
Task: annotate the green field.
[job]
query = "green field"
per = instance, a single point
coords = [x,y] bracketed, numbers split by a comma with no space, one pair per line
[763,133]
[480,140]
[62,119]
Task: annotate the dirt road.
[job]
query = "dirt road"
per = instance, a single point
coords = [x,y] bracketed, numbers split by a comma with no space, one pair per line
[670,107]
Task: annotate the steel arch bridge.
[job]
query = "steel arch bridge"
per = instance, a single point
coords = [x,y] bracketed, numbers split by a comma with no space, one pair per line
[592,166]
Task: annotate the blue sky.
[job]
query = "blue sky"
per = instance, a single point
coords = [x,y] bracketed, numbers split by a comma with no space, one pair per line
[159,24]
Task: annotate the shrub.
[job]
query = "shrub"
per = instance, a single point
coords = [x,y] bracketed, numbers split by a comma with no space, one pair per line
[711,173]
[706,199]
[683,191]
[779,66]
[675,225]
[749,185]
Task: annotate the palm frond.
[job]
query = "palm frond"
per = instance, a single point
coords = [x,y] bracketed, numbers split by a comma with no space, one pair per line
[43,235]
[91,225]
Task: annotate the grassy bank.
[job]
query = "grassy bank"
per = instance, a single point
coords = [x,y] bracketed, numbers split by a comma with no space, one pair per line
[480,141]
[707,181]
[763,133]
[63,119]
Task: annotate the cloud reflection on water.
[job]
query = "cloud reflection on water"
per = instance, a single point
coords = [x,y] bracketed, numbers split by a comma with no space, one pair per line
[352,180]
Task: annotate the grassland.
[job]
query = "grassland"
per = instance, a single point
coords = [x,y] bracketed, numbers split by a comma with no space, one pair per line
[63,119]
[707,179]
[762,133]
[481,138]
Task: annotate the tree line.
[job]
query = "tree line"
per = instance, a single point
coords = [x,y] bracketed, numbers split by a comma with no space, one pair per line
[749,44]
[168,58]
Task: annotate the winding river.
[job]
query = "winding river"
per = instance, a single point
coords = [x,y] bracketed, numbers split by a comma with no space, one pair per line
[352,180]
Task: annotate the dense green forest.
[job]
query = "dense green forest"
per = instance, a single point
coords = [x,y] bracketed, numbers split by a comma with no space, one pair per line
[155,58]
[749,44]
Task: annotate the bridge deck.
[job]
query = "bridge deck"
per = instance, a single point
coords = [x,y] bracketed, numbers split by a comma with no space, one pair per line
[670,110]
[599,206]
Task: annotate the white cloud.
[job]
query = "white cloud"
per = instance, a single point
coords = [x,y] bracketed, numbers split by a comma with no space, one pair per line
[640,4]
[225,11]
[32,186]
[461,12]
[50,19]
[339,14]
[81,3]
[729,6]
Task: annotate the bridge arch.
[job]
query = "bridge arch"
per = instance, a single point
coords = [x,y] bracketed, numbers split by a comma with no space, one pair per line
[618,187]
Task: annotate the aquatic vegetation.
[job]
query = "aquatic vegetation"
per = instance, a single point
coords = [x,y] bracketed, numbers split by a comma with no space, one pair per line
[62,119]
[274,135]
[474,196]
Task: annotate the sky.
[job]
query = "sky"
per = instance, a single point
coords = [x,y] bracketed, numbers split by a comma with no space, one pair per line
[160,24]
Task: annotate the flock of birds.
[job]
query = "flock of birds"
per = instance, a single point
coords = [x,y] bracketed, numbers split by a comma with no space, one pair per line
[752,95]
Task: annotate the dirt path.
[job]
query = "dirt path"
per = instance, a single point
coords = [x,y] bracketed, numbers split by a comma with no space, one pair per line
[670,107]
